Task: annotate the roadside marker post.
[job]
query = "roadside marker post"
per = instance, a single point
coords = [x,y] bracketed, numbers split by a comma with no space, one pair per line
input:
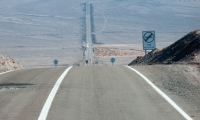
[149,41]
[112,60]
[55,62]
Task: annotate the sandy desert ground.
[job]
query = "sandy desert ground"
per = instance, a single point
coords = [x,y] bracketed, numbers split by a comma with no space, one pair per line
[35,32]
[123,53]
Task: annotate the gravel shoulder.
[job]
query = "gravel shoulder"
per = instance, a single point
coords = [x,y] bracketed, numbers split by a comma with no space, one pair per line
[180,82]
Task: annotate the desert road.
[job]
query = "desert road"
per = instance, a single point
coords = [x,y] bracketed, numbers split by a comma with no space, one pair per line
[89,43]
[85,93]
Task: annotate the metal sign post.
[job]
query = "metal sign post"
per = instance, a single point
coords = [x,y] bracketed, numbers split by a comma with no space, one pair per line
[149,41]
[146,54]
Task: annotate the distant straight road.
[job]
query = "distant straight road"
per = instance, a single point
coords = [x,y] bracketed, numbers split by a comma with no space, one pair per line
[86,93]
[89,44]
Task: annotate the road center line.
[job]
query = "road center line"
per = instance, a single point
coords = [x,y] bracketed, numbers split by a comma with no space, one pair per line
[187,117]
[47,105]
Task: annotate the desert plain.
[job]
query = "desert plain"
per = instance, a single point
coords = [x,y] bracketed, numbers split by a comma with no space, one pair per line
[36,32]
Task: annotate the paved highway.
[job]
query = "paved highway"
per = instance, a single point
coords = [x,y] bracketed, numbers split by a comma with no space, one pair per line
[86,93]
[89,44]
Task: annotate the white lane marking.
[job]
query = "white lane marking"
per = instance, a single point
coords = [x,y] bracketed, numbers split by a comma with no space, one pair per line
[187,117]
[47,105]
[6,72]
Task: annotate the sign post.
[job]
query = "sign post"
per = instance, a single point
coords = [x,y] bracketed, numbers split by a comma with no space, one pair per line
[149,41]
[112,60]
[55,62]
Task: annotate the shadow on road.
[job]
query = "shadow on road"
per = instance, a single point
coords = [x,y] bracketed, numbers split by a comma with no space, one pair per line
[14,84]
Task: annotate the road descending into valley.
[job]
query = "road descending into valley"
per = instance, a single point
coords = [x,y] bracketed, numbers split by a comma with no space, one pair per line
[81,93]
[89,43]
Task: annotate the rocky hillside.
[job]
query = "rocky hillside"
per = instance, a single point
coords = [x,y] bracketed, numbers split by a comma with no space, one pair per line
[7,63]
[186,50]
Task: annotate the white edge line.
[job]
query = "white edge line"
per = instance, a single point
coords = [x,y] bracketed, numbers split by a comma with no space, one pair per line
[47,105]
[7,72]
[187,117]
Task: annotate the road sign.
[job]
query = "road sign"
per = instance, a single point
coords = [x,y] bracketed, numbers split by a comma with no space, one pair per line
[112,60]
[55,62]
[149,40]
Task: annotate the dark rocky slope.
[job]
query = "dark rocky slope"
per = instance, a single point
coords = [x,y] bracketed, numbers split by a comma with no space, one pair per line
[186,50]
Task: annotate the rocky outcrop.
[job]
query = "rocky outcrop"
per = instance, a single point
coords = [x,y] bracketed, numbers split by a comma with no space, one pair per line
[7,63]
[186,50]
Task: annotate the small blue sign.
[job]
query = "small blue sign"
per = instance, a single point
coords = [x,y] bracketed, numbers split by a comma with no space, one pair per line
[112,60]
[55,62]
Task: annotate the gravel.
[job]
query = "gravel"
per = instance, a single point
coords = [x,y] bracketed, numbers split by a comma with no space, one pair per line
[180,82]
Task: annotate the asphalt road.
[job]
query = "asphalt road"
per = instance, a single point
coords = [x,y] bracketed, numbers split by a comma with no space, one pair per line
[89,44]
[86,93]
[24,92]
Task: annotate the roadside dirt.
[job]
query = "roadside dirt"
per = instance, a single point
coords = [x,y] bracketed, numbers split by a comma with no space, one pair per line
[123,53]
[180,82]
[7,63]
[116,50]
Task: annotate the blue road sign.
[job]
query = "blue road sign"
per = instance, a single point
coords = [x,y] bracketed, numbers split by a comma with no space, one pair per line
[55,62]
[149,40]
[112,60]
